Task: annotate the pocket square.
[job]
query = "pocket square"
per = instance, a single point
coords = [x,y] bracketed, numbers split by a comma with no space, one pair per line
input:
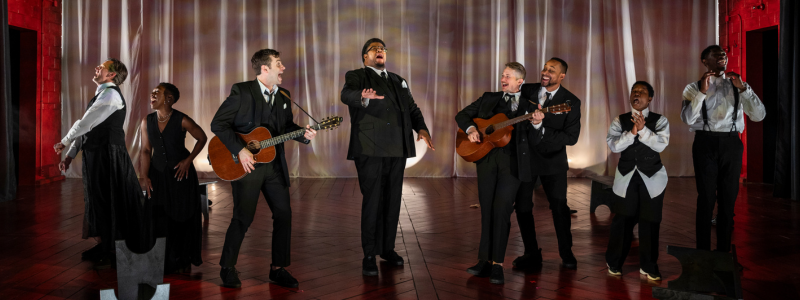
[404,84]
[284,106]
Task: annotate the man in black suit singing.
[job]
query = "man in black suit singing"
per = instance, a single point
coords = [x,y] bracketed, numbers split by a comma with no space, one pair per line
[548,141]
[252,104]
[501,171]
[382,116]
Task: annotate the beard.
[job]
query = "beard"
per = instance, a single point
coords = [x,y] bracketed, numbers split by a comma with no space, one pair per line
[380,65]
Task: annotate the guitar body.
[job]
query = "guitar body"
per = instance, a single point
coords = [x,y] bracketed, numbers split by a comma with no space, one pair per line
[227,165]
[472,152]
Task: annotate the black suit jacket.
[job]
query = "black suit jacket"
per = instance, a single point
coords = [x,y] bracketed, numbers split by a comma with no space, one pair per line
[483,108]
[241,113]
[562,130]
[367,122]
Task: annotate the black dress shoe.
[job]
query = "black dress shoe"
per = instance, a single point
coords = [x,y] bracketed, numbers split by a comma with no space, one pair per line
[497,276]
[230,277]
[94,253]
[393,258]
[569,262]
[369,267]
[482,269]
[529,260]
[283,278]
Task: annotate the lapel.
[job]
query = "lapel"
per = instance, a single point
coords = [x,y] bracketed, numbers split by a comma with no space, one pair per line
[398,86]
[558,98]
[524,105]
[258,102]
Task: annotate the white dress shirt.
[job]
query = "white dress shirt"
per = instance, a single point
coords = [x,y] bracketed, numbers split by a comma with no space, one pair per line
[108,101]
[365,101]
[618,141]
[542,100]
[265,90]
[719,102]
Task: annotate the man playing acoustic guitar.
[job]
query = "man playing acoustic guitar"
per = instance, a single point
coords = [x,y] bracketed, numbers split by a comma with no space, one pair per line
[252,104]
[501,171]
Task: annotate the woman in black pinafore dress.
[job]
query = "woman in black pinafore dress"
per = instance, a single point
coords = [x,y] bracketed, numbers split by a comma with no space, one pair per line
[170,178]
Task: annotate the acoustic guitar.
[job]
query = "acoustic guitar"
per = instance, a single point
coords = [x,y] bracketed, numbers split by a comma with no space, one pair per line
[260,142]
[495,133]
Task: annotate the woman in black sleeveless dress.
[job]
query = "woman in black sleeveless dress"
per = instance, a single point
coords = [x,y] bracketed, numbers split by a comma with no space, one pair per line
[170,178]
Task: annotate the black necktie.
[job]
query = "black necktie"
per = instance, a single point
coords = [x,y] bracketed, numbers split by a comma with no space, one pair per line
[513,100]
[547,96]
[269,100]
[383,75]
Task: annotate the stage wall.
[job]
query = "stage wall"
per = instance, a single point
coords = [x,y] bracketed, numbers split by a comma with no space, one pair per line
[449,51]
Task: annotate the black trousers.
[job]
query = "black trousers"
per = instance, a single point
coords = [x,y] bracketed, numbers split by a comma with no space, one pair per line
[381,183]
[555,187]
[245,198]
[717,165]
[636,207]
[497,187]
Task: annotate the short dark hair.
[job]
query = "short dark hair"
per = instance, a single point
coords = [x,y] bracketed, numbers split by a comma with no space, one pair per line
[518,67]
[118,68]
[650,90]
[171,89]
[708,50]
[263,57]
[562,62]
[366,45]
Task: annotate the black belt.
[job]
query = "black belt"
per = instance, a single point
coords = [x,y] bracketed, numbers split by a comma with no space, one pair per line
[717,133]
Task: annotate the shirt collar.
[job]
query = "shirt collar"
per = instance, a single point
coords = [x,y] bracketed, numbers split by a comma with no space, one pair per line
[264,88]
[720,79]
[645,112]
[103,86]
[544,90]
[379,71]
[516,95]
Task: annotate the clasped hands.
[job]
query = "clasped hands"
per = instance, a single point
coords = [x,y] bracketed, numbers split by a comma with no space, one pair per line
[638,122]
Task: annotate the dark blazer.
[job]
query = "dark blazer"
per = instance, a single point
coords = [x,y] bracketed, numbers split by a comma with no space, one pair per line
[560,131]
[368,123]
[483,107]
[241,113]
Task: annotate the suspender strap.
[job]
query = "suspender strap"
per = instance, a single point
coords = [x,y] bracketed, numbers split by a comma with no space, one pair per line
[735,108]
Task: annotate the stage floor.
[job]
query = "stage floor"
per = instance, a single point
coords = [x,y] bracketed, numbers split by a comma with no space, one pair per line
[438,235]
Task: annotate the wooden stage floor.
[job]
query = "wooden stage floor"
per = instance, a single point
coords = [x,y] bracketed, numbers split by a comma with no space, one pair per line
[40,237]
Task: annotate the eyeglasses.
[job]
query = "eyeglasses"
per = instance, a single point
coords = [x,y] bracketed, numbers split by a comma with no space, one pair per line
[378,49]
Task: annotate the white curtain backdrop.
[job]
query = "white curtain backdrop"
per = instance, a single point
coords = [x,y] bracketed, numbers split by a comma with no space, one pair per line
[450,52]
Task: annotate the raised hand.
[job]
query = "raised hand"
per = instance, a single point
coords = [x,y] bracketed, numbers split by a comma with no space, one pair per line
[370,94]
[705,80]
[737,81]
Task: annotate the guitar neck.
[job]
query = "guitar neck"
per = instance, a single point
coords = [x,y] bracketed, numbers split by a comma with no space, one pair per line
[285,137]
[519,119]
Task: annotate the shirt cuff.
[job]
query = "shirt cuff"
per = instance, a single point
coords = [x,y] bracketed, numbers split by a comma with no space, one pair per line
[645,133]
[537,126]
[364,102]
[464,131]
[65,141]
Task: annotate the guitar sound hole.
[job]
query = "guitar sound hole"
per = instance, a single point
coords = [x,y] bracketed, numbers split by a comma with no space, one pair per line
[490,129]
[253,147]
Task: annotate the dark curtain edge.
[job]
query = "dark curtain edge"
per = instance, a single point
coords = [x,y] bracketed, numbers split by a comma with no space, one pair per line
[8,178]
[787,154]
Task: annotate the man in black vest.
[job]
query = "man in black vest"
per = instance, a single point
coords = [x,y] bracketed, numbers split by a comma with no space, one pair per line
[114,203]
[252,104]
[549,163]
[639,181]
[382,116]
[714,109]
[501,171]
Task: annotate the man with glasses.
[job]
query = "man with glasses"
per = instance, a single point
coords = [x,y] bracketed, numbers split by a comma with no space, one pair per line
[382,117]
